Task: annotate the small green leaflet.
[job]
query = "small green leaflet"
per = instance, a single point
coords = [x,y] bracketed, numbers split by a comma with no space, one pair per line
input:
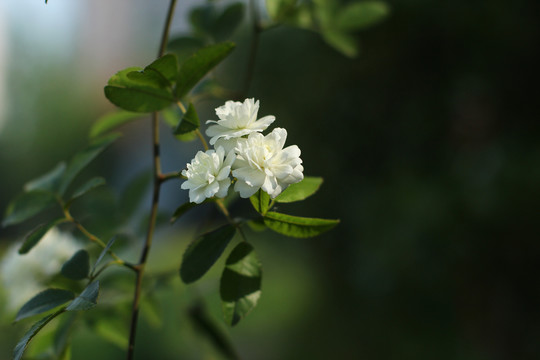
[198,65]
[49,181]
[260,201]
[37,234]
[181,210]
[102,254]
[26,205]
[300,190]
[77,267]
[203,252]
[44,301]
[23,343]
[87,187]
[240,286]
[295,226]
[189,122]
[87,299]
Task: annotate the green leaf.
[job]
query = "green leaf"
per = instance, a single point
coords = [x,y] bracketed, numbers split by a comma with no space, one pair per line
[83,158]
[240,287]
[139,99]
[359,15]
[342,42]
[166,66]
[229,20]
[87,187]
[202,253]
[208,327]
[260,201]
[102,254]
[198,65]
[44,301]
[185,46]
[181,210]
[87,299]
[111,121]
[295,226]
[26,205]
[62,335]
[113,329]
[23,343]
[189,122]
[300,190]
[34,236]
[121,77]
[77,267]
[49,181]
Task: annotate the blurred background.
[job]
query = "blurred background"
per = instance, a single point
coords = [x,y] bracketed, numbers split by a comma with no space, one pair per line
[428,143]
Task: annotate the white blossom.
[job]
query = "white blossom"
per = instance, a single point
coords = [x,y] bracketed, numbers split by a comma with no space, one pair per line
[208,175]
[262,163]
[237,119]
[23,276]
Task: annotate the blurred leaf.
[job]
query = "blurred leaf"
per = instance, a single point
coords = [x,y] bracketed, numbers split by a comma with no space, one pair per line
[201,19]
[240,286]
[139,99]
[185,46]
[44,301]
[256,224]
[295,226]
[229,20]
[292,12]
[182,209]
[113,329]
[134,193]
[87,299]
[23,343]
[203,252]
[199,64]
[151,311]
[260,201]
[341,41]
[301,190]
[26,205]
[209,328]
[34,236]
[359,15]
[61,336]
[83,158]
[102,254]
[87,187]
[49,181]
[189,122]
[77,267]
[326,12]
[111,121]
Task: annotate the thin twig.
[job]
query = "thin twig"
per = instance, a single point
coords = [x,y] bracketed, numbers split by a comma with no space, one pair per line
[155,200]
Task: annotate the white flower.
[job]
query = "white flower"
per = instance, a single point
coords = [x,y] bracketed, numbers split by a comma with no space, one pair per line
[263,163]
[208,175]
[23,276]
[237,119]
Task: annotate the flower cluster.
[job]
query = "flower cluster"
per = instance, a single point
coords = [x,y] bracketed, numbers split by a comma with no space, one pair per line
[256,161]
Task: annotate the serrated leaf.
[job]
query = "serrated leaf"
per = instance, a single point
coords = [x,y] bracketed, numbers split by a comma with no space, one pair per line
[198,65]
[296,226]
[77,267]
[229,20]
[44,301]
[208,327]
[360,15]
[203,252]
[184,47]
[102,254]
[111,121]
[341,41]
[189,122]
[23,343]
[26,205]
[260,201]
[240,287]
[87,299]
[49,181]
[83,158]
[34,236]
[181,210]
[301,190]
[87,187]
[139,99]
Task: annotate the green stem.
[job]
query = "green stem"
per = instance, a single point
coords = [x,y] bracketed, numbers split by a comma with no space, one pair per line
[155,201]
